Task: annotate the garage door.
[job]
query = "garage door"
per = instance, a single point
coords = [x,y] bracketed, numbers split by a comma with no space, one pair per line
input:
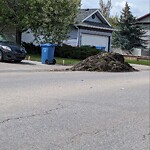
[94,40]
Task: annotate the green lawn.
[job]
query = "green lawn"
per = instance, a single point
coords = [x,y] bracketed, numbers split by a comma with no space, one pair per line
[140,62]
[33,57]
[67,61]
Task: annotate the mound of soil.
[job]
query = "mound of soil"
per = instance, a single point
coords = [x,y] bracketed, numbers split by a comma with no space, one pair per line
[108,62]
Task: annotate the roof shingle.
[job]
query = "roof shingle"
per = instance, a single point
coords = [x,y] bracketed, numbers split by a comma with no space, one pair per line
[84,13]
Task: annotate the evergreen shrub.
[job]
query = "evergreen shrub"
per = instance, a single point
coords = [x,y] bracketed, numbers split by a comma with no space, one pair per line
[64,51]
[31,48]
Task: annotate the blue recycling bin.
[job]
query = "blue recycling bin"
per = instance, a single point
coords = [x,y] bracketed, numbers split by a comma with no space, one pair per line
[48,53]
[102,48]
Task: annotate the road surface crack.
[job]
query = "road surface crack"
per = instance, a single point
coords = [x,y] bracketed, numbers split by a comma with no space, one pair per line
[33,115]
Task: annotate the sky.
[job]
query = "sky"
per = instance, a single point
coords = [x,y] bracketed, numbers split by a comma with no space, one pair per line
[138,7]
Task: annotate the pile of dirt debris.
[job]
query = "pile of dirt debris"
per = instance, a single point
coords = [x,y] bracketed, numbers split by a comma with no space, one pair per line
[108,62]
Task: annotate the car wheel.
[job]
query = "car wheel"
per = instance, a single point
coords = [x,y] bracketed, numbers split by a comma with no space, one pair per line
[1,56]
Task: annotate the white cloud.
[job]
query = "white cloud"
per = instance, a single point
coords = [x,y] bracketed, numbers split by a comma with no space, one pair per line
[90,3]
[122,4]
[138,7]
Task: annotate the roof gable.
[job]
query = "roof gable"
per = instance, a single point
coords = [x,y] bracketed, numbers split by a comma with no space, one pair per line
[92,17]
[84,13]
[99,15]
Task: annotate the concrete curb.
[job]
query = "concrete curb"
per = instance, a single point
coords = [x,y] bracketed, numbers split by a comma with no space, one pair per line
[30,66]
[34,66]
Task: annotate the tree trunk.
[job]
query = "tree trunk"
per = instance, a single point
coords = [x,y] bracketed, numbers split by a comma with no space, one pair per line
[18,36]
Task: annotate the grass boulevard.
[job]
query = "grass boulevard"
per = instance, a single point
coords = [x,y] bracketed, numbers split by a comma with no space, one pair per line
[69,61]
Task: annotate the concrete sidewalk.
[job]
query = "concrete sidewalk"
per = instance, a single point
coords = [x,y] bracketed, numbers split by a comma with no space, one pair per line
[140,67]
[30,66]
[34,66]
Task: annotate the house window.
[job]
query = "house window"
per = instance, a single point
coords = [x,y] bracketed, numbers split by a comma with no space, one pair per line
[93,16]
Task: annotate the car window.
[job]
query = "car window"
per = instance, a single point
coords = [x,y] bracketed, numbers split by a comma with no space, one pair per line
[7,38]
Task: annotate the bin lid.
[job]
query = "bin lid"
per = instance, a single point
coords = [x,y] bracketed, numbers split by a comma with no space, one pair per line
[47,45]
[99,46]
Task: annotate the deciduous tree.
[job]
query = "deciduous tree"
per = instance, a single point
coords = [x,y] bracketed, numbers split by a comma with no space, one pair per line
[15,14]
[55,20]
[105,8]
[49,18]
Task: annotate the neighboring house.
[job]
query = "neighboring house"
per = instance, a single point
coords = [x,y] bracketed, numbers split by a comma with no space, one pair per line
[144,21]
[90,28]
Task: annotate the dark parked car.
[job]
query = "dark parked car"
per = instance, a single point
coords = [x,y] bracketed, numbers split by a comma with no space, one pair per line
[9,50]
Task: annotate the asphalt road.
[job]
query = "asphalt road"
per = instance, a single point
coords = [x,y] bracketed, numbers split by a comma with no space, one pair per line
[74,111]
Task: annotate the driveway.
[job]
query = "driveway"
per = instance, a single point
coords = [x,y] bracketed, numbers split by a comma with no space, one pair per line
[74,110]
